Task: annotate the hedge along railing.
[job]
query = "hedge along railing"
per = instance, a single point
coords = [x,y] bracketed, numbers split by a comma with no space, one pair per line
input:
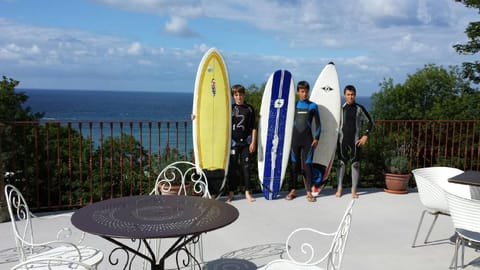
[70,164]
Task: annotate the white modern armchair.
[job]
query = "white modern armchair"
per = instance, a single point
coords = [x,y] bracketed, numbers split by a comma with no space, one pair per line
[429,184]
[62,244]
[465,217]
[331,259]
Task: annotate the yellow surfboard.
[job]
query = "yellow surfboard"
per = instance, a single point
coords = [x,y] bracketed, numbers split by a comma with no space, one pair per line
[211,126]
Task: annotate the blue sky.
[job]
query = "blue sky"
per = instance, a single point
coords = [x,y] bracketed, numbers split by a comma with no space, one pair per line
[156,45]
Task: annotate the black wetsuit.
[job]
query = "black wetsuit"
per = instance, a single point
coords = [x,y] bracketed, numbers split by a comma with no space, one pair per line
[353,116]
[305,113]
[243,123]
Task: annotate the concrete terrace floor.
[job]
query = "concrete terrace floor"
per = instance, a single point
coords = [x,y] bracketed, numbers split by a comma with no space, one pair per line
[383,228]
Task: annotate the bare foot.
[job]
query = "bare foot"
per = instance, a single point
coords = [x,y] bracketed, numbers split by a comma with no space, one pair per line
[354,194]
[249,197]
[231,196]
[339,193]
[291,195]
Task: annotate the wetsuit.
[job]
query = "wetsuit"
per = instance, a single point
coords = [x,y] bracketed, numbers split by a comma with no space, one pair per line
[353,117]
[243,123]
[305,113]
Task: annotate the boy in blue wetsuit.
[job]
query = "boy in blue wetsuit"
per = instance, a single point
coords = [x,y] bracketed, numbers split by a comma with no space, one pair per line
[244,137]
[303,141]
[351,138]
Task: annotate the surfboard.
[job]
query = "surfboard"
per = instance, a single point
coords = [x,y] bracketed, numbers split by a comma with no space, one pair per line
[326,94]
[277,111]
[211,127]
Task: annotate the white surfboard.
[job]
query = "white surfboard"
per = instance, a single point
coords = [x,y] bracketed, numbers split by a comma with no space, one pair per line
[275,131]
[211,125]
[326,94]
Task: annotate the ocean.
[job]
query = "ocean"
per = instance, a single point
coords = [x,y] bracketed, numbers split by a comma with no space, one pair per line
[91,105]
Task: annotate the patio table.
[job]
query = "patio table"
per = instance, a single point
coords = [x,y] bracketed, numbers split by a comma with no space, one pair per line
[146,217]
[471,178]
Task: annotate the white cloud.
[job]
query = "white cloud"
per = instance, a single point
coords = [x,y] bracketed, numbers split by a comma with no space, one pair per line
[134,49]
[179,26]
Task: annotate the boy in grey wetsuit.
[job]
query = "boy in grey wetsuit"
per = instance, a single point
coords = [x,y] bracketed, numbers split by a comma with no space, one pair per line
[351,138]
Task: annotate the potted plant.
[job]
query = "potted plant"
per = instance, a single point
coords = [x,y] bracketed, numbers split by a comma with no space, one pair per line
[397,173]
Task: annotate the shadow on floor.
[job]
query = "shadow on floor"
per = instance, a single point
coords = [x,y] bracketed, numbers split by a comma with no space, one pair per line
[248,258]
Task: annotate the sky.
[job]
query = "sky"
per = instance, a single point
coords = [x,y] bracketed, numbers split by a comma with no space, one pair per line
[156,45]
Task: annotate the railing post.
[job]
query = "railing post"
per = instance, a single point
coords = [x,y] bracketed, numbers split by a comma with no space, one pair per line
[3,202]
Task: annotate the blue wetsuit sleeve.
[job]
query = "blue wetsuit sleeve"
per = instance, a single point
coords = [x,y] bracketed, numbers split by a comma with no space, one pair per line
[318,124]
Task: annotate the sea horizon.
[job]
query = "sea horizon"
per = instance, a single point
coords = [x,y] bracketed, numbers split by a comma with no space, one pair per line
[116,105]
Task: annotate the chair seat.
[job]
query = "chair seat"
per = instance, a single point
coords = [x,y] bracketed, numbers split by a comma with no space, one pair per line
[52,263]
[90,256]
[470,236]
[288,265]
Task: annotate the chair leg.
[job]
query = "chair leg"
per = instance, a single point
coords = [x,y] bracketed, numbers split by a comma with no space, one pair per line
[431,227]
[418,227]
[455,256]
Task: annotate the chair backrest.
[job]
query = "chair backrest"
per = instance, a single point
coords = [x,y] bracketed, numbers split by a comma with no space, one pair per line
[21,220]
[52,263]
[333,257]
[464,211]
[189,178]
[429,183]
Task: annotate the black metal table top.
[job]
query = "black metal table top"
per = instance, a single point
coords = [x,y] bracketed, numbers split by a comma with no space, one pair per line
[149,216]
[467,178]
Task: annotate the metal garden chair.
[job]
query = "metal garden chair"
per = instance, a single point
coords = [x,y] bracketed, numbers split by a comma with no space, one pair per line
[331,259]
[62,246]
[52,264]
[183,178]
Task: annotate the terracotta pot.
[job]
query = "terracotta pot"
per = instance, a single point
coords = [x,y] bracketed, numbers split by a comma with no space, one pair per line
[396,183]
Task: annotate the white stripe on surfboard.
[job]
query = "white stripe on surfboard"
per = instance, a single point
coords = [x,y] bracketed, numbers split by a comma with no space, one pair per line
[279,102]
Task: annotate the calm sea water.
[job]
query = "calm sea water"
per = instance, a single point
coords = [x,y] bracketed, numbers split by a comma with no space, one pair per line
[82,105]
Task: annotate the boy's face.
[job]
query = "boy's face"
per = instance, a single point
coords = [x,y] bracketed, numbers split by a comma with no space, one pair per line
[239,98]
[349,96]
[302,93]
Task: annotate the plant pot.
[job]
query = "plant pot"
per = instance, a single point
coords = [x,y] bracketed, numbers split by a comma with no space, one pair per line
[396,183]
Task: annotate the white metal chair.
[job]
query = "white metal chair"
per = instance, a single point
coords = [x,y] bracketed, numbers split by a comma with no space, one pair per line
[432,196]
[52,264]
[184,178]
[465,213]
[63,246]
[332,258]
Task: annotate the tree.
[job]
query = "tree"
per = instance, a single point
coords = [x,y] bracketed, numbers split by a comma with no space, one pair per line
[471,70]
[11,110]
[431,93]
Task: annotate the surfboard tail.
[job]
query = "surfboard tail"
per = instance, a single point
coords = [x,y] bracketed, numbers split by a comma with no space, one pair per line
[215,180]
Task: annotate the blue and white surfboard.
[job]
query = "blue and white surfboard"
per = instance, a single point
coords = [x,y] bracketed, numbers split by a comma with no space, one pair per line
[275,131]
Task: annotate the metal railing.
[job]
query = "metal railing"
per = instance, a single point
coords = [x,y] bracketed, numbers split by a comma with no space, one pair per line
[70,164]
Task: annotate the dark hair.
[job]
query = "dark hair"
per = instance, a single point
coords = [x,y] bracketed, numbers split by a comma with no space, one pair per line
[238,88]
[350,88]
[304,85]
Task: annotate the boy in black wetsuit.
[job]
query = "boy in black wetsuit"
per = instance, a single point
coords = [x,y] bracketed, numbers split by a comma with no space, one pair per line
[351,139]
[303,141]
[244,138]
